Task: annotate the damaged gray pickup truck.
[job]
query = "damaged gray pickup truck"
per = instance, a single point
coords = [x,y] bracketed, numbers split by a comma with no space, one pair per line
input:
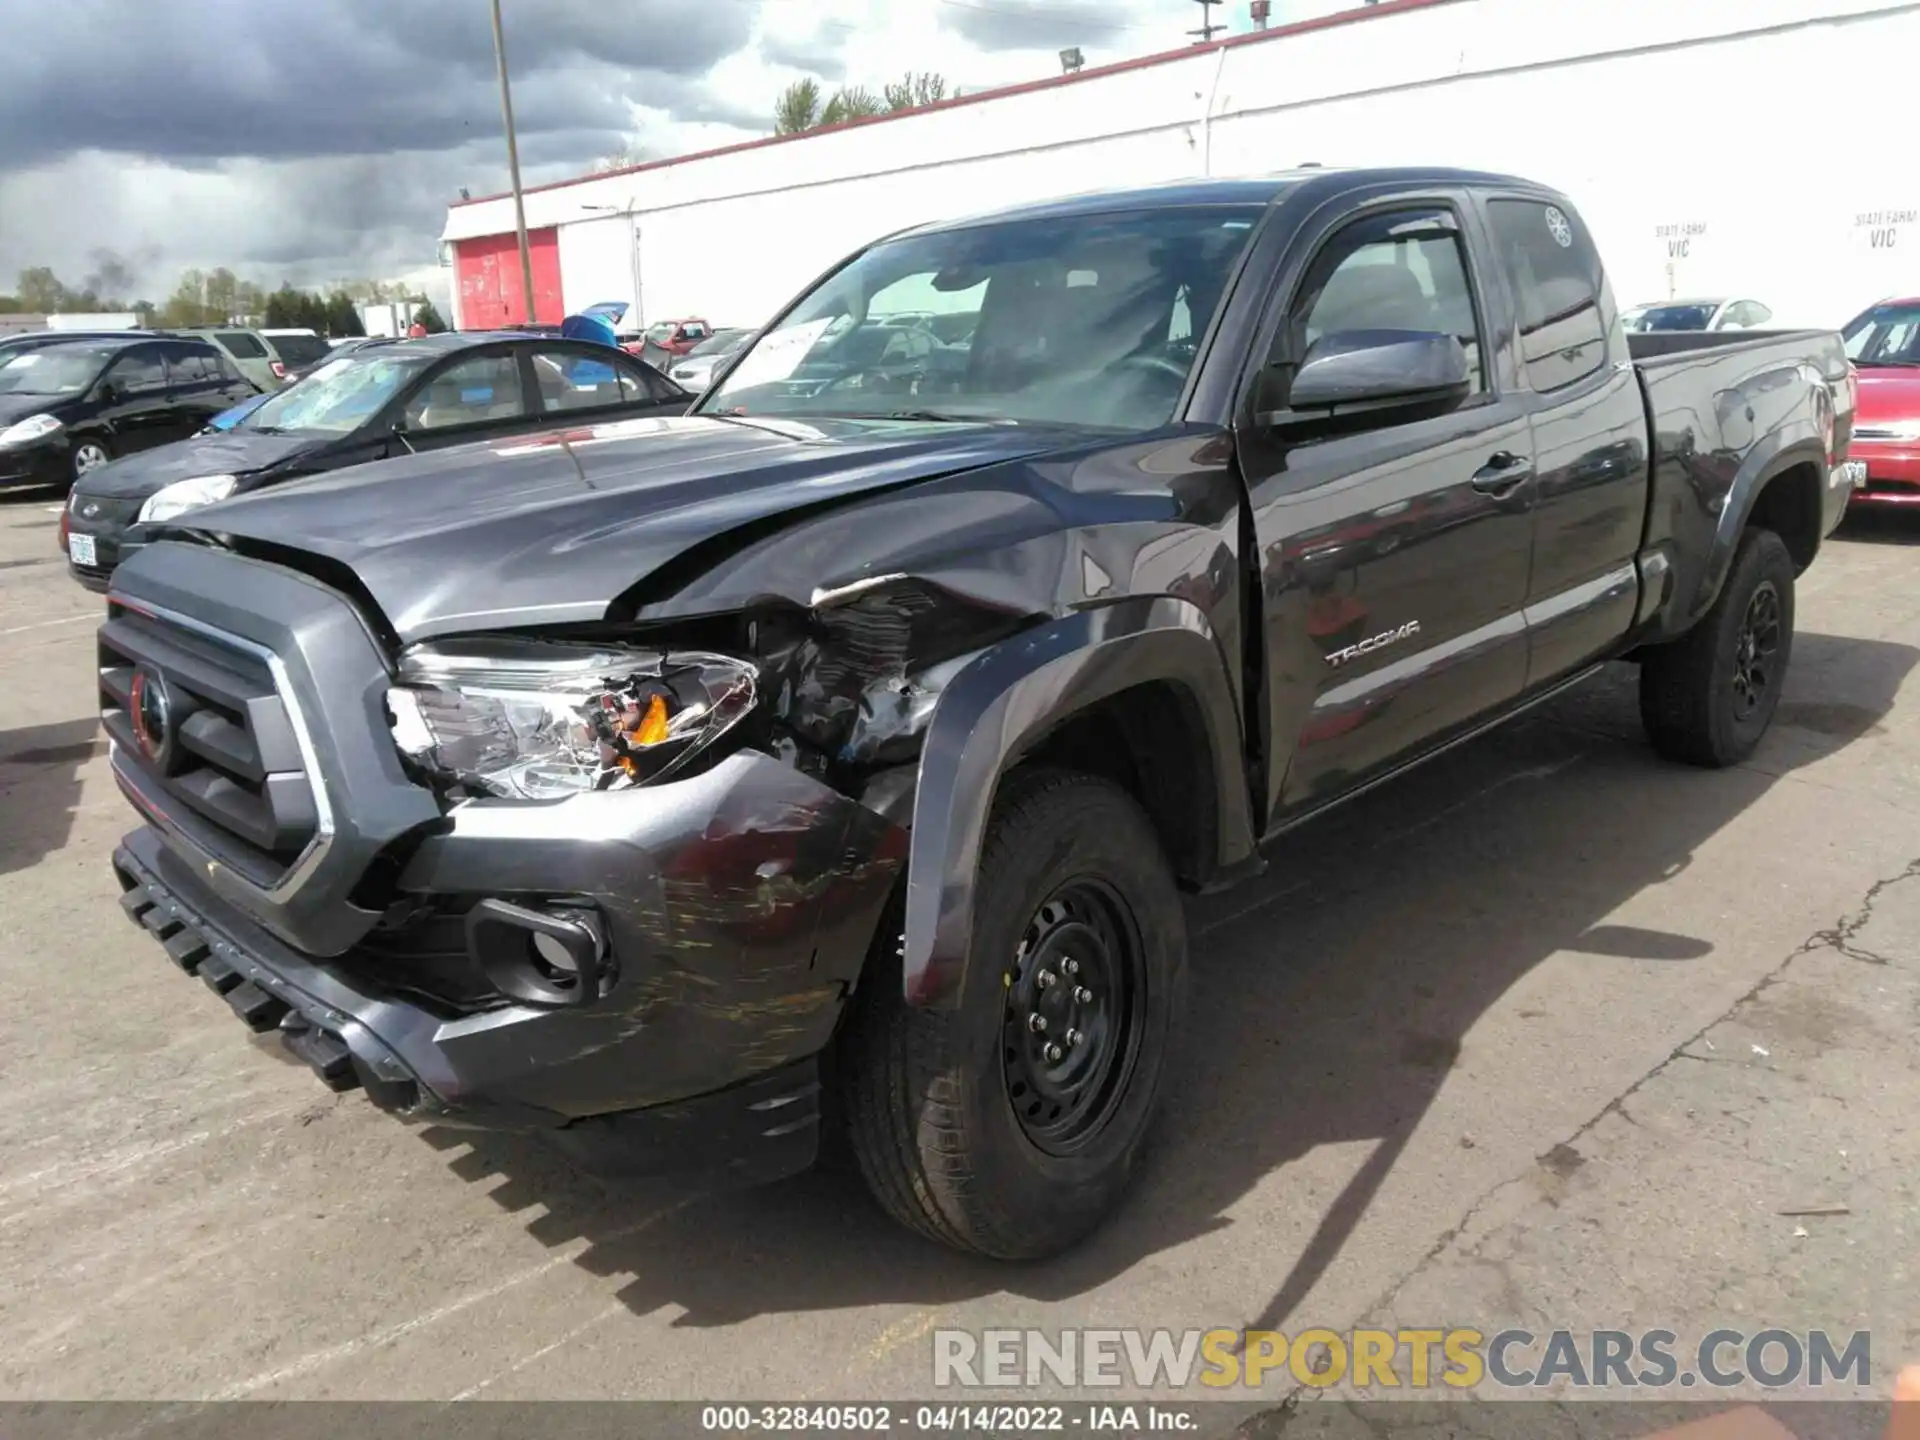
[836,755]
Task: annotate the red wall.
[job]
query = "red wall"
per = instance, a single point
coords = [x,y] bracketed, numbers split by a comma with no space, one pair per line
[487,270]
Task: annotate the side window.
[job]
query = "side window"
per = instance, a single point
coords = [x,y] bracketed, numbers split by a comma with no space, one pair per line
[238,342]
[227,371]
[139,371]
[487,387]
[643,385]
[573,380]
[1558,284]
[1755,315]
[1404,270]
[191,364]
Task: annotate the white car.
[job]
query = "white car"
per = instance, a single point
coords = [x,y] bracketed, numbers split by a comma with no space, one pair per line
[693,371]
[1707,314]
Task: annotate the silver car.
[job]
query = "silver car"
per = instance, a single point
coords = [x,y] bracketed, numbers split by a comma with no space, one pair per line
[693,371]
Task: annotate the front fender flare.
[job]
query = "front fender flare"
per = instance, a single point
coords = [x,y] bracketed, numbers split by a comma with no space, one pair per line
[1004,702]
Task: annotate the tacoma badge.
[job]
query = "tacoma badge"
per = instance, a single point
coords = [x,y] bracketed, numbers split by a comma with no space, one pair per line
[1373,643]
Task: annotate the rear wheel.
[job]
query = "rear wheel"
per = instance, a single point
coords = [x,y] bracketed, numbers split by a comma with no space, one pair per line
[1708,697]
[1011,1124]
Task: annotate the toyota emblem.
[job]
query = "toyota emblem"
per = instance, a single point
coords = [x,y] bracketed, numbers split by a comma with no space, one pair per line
[151,712]
[90,510]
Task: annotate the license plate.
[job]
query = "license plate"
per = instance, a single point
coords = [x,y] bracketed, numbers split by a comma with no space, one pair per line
[80,550]
[1852,472]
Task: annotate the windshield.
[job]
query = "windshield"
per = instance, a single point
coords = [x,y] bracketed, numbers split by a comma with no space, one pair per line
[339,397]
[663,331]
[1082,319]
[1673,317]
[55,370]
[1887,335]
[721,342]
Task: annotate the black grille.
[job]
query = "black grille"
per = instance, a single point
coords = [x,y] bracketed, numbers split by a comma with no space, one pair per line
[223,765]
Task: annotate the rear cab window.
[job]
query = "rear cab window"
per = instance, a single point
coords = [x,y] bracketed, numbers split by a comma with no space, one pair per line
[1559,290]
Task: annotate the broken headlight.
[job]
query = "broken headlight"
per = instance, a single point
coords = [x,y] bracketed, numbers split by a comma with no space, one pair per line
[538,720]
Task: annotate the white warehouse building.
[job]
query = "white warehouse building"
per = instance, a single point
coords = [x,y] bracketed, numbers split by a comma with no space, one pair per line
[1712,145]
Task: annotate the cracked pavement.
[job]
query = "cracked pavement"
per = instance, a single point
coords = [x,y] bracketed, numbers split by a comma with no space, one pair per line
[1547,1034]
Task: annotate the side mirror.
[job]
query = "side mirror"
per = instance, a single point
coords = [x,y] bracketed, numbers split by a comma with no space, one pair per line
[109,392]
[1380,370]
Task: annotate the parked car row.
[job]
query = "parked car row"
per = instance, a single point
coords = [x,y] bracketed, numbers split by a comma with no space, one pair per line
[381,398]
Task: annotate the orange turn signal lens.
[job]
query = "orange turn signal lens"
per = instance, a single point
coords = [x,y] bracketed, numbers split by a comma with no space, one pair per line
[653,725]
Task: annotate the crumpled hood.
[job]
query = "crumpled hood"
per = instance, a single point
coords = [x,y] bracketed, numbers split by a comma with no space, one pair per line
[145,472]
[550,528]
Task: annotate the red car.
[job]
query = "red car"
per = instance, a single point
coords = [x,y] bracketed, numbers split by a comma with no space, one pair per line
[1884,344]
[676,337]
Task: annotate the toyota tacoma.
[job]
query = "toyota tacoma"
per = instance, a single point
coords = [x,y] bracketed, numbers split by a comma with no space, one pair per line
[833,758]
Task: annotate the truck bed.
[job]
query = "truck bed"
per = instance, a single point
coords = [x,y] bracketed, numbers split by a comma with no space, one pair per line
[1723,410]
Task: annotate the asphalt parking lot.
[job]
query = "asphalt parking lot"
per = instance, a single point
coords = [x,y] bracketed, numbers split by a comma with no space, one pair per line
[1549,1033]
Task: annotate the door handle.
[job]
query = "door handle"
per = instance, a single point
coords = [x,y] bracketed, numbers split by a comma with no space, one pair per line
[1502,473]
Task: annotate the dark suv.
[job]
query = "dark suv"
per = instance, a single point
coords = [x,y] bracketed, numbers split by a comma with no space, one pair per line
[67,409]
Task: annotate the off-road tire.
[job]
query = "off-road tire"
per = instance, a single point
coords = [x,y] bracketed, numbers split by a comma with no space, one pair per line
[1688,700]
[925,1091]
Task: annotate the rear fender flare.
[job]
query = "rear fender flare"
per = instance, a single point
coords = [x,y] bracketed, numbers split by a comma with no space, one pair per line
[1008,699]
[1798,444]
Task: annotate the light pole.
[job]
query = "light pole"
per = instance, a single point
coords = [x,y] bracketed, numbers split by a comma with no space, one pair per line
[513,164]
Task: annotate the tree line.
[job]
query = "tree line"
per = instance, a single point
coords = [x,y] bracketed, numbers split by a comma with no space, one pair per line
[210,297]
[805,105]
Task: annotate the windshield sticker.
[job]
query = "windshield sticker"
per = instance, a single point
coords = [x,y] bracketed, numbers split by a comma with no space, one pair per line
[777,356]
[1558,227]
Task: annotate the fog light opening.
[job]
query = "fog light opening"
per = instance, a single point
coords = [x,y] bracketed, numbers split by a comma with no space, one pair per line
[555,955]
[553,961]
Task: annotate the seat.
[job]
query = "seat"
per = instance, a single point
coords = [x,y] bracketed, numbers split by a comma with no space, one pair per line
[1371,297]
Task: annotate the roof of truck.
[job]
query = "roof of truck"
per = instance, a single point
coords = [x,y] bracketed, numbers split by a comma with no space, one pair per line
[1252,190]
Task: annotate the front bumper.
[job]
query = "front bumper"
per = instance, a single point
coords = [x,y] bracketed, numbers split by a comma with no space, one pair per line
[702,1055]
[48,461]
[117,536]
[1893,471]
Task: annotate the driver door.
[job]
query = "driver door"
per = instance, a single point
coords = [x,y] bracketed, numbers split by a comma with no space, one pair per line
[140,414]
[1394,546]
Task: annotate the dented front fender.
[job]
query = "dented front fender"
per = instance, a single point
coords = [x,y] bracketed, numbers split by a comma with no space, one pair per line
[1009,699]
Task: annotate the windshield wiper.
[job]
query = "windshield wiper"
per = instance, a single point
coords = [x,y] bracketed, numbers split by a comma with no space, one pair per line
[946,417]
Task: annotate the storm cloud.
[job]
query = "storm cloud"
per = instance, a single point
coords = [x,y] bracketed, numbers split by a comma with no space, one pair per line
[214,79]
[320,140]
[1047,25]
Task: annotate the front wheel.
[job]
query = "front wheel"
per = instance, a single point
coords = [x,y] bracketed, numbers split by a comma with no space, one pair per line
[1010,1124]
[1708,697]
[89,455]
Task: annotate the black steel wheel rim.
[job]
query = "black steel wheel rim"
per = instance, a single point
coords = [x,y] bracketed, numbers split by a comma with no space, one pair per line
[1076,994]
[1756,654]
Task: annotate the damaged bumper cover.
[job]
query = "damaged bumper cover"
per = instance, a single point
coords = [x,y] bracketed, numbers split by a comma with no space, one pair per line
[735,907]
